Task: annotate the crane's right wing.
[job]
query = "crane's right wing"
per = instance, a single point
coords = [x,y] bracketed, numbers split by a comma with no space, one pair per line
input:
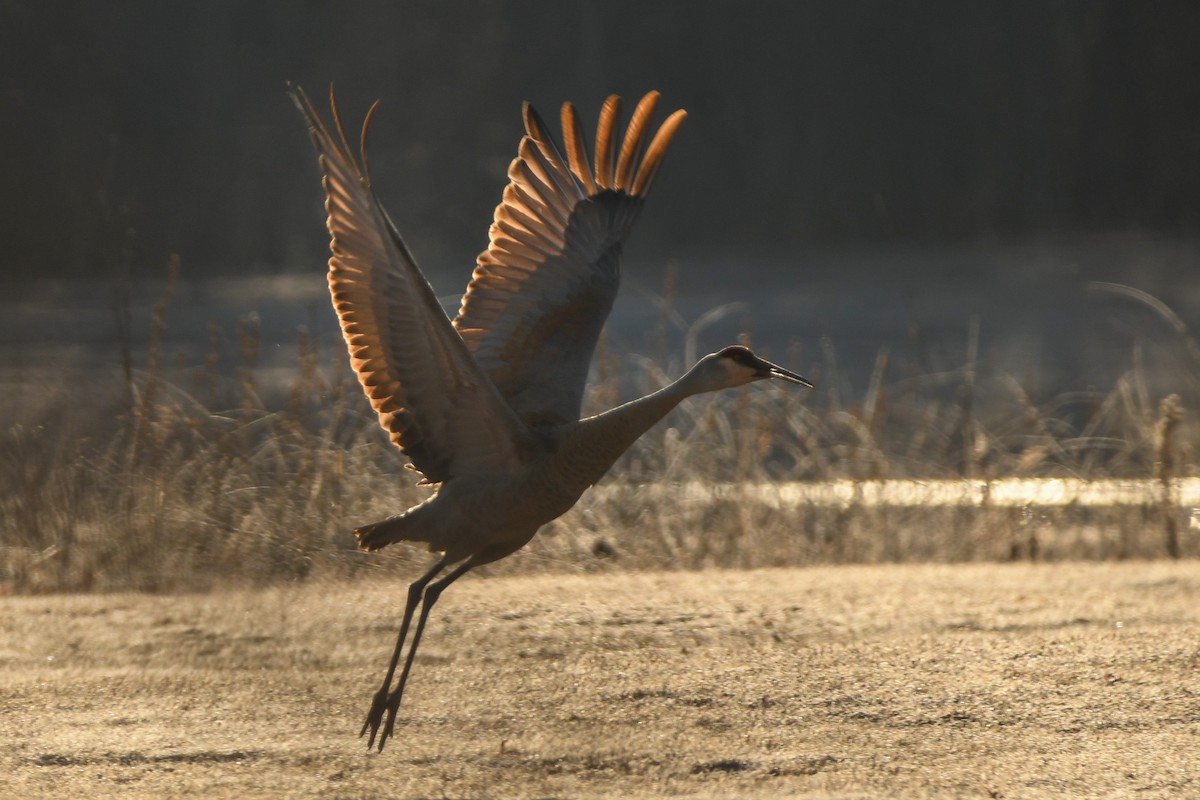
[542,290]
[430,395]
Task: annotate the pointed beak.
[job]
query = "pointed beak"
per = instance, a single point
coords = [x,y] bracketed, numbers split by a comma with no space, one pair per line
[768,370]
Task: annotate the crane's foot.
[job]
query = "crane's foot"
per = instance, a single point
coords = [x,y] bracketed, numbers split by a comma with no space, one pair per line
[393,707]
[382,702]
[375,717]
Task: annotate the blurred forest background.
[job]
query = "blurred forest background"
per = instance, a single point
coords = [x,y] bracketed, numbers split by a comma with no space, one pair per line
[162,127]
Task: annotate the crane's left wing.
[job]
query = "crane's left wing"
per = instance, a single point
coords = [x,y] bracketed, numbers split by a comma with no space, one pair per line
[542,290]
[430,395]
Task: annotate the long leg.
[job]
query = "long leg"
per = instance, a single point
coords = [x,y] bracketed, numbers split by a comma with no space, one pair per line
[379,704]
[431,596]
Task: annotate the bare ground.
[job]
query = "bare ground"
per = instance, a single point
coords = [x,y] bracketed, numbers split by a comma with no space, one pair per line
[918,681]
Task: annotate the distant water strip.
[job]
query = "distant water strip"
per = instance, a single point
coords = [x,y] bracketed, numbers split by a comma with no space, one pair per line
[1008,492]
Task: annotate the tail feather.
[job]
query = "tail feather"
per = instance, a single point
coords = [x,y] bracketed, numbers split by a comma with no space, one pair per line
[378,535]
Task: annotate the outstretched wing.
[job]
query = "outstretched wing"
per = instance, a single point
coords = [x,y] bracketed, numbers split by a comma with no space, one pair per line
[541,291]
[430,395]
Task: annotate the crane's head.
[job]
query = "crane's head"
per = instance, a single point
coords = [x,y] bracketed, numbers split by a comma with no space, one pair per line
[736,366]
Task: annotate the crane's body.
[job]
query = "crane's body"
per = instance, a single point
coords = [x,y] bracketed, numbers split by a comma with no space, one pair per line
[486,407]
[558,464]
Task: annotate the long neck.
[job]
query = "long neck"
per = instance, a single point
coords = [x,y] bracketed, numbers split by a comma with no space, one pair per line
[599,441]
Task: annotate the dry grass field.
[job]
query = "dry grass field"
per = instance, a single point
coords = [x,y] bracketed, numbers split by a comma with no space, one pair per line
[977,680]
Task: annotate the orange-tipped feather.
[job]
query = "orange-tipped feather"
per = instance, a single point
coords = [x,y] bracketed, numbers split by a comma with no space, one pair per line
[605,144]
[577,147]
[362,141]
[341,130]
[656,152]
[545,160]
[524,172]
[549,153]
[633,140]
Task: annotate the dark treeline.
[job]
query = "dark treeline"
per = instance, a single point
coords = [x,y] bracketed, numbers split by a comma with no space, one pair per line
[134,129]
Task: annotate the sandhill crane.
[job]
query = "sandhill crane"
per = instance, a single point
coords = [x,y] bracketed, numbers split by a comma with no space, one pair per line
[487,407]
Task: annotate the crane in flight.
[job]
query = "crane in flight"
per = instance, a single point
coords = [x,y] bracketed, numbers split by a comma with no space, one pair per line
[486,407]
